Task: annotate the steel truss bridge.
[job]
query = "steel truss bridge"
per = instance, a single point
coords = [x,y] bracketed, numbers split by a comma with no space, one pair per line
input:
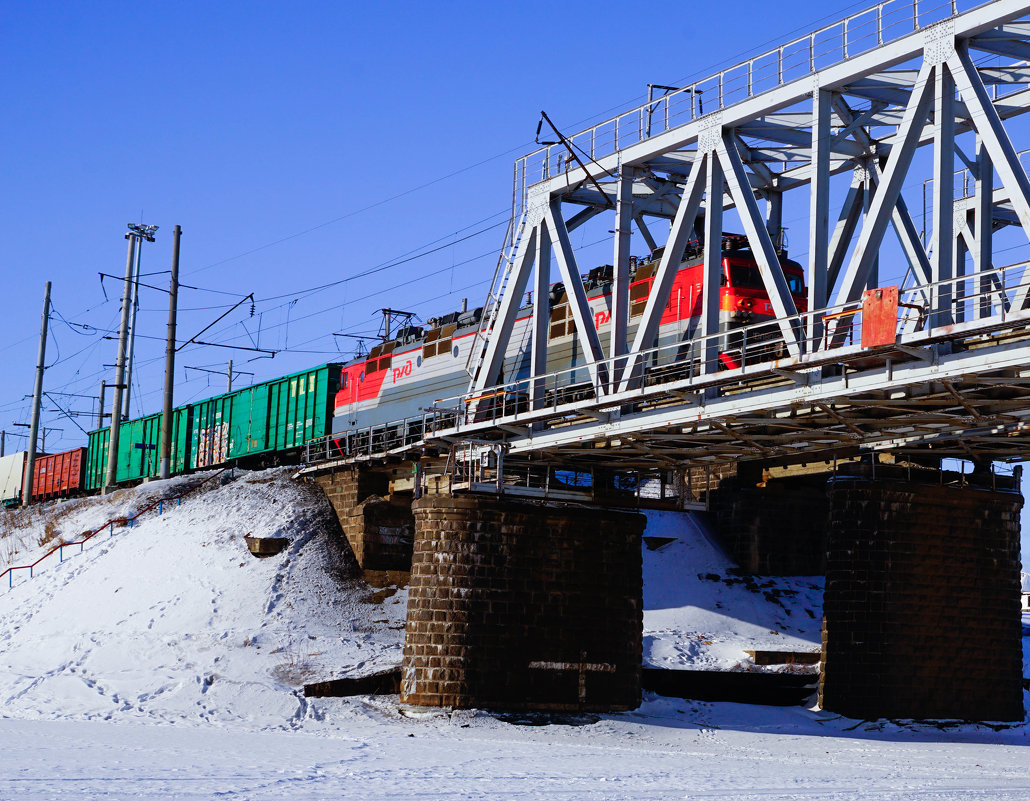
[901,92]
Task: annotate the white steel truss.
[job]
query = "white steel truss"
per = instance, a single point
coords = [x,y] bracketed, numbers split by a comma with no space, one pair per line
[898,77]
[861,98]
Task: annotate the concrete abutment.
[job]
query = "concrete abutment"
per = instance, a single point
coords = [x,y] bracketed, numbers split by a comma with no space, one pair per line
[377,523]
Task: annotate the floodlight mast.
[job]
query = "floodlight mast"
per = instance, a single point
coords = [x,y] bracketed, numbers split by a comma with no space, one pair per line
[135,231]
[144,232]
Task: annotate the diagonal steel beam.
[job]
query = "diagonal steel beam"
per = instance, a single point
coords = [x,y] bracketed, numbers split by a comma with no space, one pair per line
[885,200]
[645,231]
[498,336]
[584,216]
[761,243]
[908,237]
[989,126]
[679,234]
[764,174]
[855,122]
[586,333]
[844,231]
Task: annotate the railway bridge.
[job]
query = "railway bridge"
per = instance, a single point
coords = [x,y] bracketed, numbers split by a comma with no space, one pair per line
[910,349]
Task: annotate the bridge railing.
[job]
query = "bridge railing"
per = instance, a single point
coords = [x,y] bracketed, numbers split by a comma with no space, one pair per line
[108,526]
[836,333]
[381,438]
[486,467]
[865,30]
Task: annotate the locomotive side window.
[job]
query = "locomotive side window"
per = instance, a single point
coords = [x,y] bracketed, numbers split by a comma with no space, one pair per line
[380,357]
[562,322]
[749,276]
[438,341]
[640,289]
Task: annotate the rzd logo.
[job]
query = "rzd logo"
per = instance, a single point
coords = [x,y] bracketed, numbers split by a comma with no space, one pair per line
[601,317]
[400,372]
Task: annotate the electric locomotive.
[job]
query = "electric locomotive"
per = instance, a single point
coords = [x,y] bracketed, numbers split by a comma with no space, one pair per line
[403,375]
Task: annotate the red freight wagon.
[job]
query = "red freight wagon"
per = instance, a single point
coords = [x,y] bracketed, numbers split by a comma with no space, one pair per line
[59,474]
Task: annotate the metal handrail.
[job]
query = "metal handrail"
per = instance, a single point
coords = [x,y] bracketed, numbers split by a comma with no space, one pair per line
[110,524]
[575,376]
[568,389]
[822,48]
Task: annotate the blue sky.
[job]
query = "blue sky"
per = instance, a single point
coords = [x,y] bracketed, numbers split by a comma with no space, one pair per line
[296,144]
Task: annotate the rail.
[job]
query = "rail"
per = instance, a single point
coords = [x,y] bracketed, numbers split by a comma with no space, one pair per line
[109,525]
[832,44]
[966,305]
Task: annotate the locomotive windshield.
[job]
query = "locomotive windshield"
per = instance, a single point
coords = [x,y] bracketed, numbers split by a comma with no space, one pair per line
[749,277]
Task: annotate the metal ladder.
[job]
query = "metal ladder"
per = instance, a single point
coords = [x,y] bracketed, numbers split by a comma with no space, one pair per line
[502,273]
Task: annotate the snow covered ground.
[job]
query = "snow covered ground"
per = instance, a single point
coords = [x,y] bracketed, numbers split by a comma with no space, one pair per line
[166,662]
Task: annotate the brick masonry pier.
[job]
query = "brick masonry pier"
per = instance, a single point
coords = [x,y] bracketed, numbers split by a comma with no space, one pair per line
[921,610]
[517,606]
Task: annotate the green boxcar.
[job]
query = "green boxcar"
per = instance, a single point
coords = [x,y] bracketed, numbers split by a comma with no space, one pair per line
[139,449]
[278,415]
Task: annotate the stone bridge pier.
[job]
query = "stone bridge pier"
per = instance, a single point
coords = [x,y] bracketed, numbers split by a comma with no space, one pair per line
[374,510]
[528,605]
[921,608]
[521,605]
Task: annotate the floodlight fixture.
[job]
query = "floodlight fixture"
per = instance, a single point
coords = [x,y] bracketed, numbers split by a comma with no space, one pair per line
[145,231]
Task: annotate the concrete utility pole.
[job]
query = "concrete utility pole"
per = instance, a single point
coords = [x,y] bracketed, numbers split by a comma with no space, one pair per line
[119,368]
[228,376]
[37,399]
[164,465]
[145,233]
[100,410]
[130,352]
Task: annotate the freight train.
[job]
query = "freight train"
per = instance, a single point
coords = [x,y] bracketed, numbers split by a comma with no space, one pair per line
[414,366]
[55,475]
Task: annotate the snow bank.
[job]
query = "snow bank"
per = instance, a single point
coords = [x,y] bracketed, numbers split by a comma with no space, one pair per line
[174,620]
